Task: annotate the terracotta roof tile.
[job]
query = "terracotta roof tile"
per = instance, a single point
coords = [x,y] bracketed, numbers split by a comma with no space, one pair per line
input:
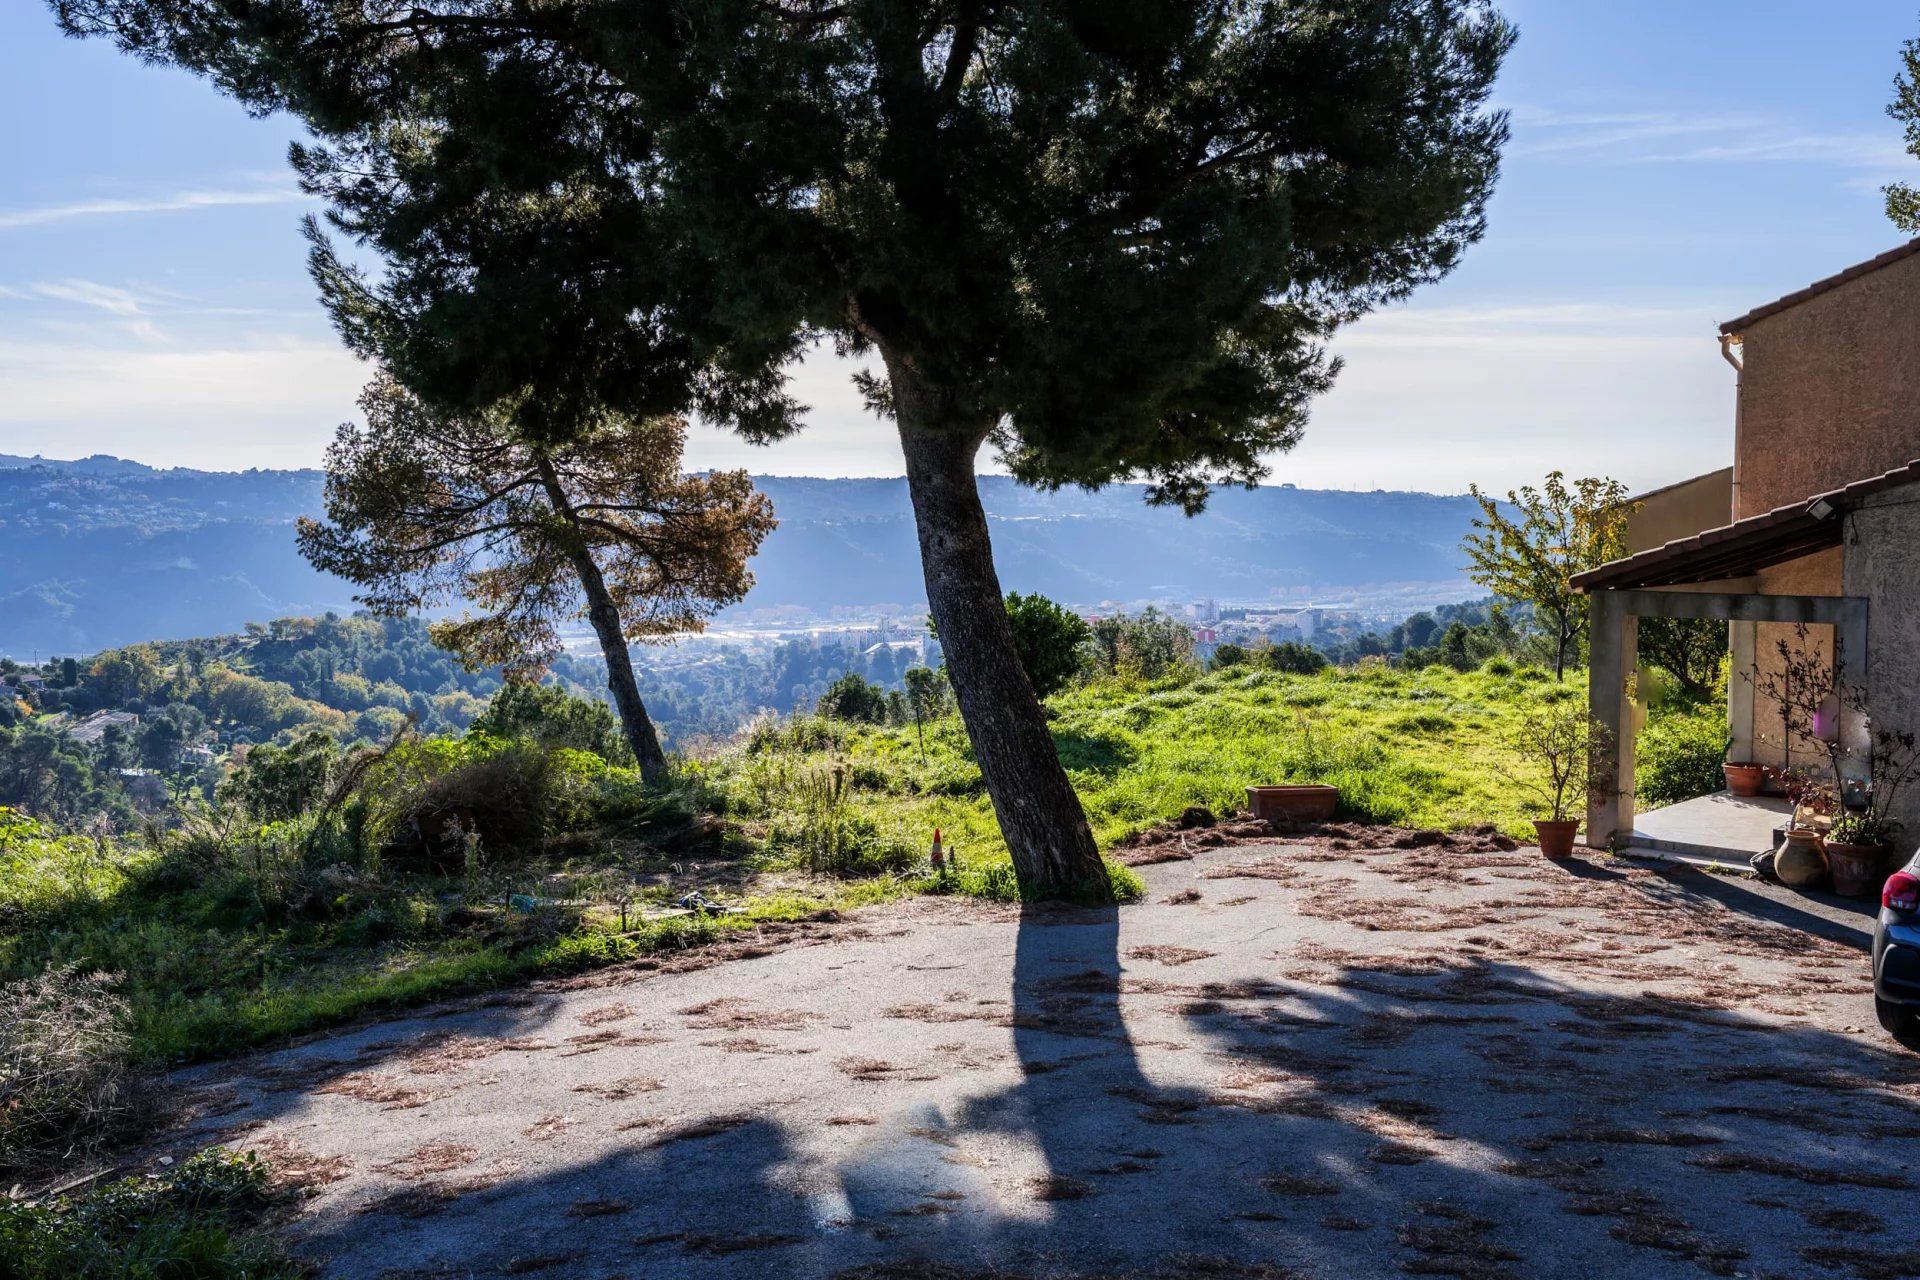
[1799,296]
[1745,546]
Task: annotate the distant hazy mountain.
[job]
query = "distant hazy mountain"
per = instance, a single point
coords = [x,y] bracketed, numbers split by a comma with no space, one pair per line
[101,552]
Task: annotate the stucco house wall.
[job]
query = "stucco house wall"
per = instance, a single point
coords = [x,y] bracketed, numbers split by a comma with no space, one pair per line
[1830,385]
[1680,510]
[1883,564]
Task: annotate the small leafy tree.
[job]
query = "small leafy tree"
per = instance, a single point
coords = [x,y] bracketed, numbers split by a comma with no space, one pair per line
[1564,743]
[424,508]
[121,675]
[928,698]
[1903,199]
[276,783]
[1532,555]
[1145,645]
[1047,637]
[1227,655]
[854,697]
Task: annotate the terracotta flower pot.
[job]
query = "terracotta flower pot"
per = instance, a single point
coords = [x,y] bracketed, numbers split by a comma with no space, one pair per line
[1556,838]
[1800,861]
[1299,802]
[1858,869]
[1745,779]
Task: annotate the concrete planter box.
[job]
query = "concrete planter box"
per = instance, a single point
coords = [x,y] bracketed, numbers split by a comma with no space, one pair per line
[1301,802]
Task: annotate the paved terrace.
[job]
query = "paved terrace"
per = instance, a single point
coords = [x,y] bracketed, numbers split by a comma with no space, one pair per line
[1312,1058]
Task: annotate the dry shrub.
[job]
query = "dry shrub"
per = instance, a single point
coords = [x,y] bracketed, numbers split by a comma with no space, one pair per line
[63,1061]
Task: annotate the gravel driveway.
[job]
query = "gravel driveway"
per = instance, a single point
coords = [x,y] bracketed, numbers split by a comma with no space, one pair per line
[1317,1057]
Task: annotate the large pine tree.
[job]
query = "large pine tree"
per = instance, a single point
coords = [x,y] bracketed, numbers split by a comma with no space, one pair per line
[1106,237]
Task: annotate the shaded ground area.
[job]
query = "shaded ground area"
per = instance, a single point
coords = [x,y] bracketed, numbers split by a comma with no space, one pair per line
[1325,1057]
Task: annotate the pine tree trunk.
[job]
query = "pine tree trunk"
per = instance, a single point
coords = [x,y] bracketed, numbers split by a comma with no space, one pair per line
[634,720]
[604,616]
[1040,816]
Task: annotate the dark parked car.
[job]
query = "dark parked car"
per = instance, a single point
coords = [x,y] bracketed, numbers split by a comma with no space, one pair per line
[1896,955]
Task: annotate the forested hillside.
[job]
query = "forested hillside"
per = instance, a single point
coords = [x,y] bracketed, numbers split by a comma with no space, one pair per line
[100,552]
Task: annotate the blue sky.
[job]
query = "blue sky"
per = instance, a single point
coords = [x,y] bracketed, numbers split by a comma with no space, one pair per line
[1672,165]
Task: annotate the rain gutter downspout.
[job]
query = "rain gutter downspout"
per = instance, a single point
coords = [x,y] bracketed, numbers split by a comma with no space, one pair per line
[1728,343]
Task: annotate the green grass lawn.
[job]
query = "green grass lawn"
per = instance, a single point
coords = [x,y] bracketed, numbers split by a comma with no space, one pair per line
[1429,748]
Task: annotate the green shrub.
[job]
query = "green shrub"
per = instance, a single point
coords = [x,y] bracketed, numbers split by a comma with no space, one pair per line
[770,735]
[820,831]
[1296,658]
[1496,667]
[184,1225]
[549,715]
[1679,755]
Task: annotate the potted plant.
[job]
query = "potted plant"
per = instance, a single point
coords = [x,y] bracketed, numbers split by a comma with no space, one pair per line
[1562,741]
[1859,840]
[1744,777]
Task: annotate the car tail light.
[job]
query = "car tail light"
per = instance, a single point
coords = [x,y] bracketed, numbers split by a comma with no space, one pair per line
[1902,892]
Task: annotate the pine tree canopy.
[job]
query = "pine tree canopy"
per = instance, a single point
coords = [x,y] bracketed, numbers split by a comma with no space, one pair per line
[424,511]
[1115,234]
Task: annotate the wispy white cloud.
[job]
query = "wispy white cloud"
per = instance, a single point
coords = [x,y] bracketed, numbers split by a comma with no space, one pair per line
[160,202]
[1694,137]
[88,293]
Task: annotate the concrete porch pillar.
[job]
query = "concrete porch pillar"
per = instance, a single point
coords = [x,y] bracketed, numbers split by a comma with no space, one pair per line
[1742,644]
[1613,658]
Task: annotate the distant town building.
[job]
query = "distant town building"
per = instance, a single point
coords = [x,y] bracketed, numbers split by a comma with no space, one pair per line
[89,731]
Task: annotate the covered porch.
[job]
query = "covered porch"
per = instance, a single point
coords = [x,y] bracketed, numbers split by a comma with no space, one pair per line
[1612,678]
[1806,564]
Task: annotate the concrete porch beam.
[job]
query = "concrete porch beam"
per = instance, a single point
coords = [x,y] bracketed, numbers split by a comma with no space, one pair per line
[1828,610]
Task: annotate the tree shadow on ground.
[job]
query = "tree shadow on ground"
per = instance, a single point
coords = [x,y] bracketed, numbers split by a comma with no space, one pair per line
[1333,1114]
